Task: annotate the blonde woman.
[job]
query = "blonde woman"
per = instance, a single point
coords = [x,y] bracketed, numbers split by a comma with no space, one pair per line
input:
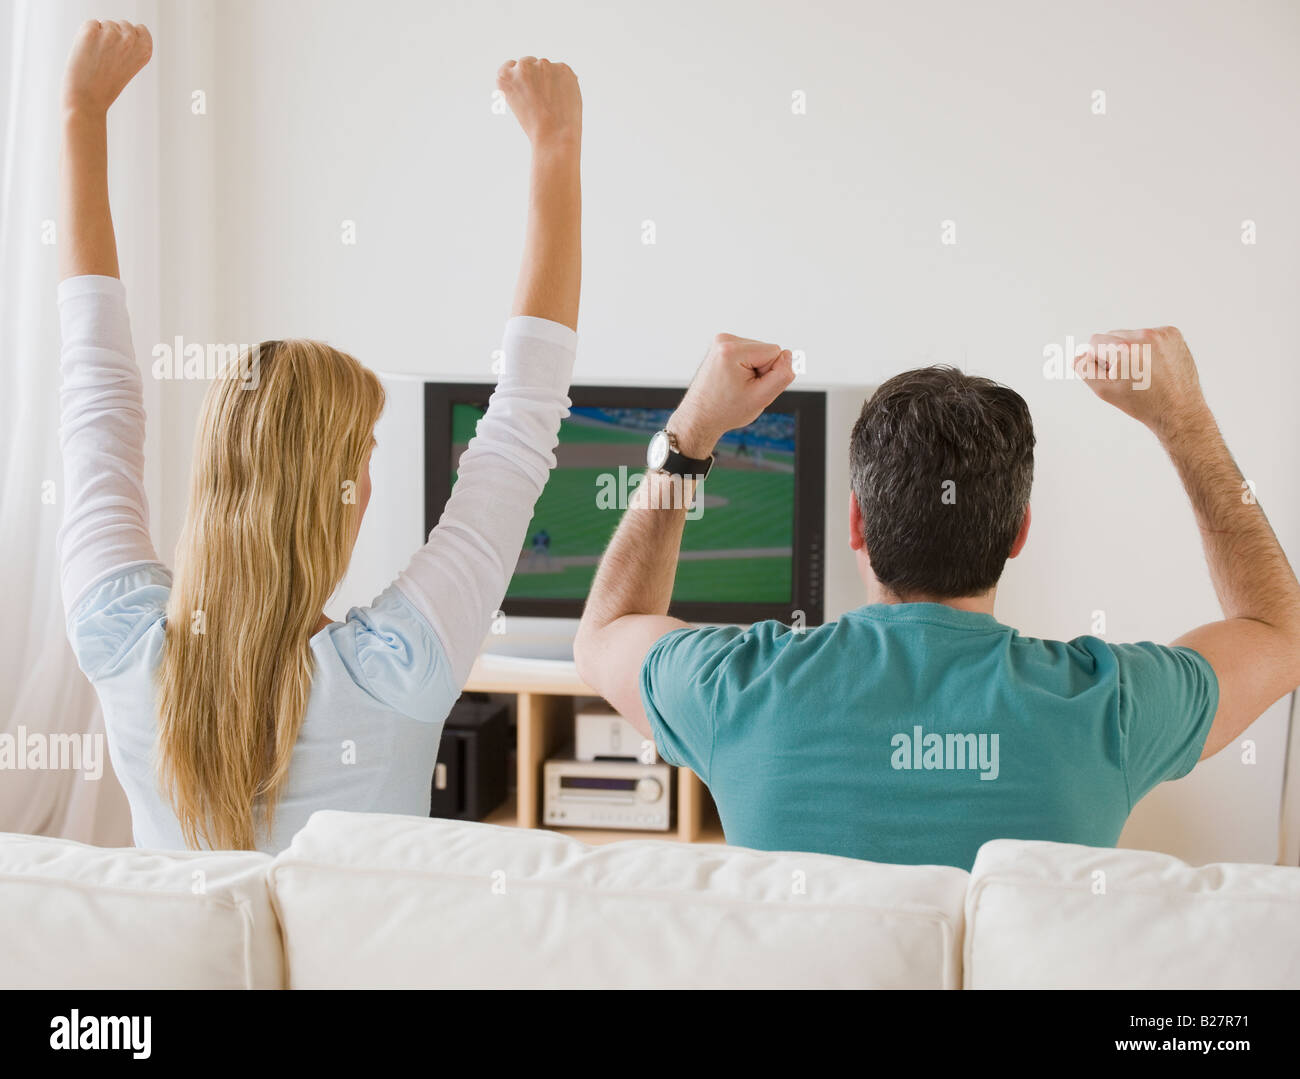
[234,706]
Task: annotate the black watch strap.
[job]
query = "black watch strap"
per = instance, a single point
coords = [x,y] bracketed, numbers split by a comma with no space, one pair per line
[678,464]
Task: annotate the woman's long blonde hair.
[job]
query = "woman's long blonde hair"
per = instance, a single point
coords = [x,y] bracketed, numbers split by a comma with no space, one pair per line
[273,515]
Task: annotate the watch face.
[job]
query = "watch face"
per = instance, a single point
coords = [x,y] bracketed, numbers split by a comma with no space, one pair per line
[657,453]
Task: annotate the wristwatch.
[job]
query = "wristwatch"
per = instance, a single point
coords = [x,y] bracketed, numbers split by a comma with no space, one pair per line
[663,455]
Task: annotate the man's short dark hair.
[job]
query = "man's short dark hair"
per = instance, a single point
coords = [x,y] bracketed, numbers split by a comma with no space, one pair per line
[942,463]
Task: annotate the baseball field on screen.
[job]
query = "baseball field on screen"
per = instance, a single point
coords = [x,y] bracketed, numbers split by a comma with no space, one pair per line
[739,550]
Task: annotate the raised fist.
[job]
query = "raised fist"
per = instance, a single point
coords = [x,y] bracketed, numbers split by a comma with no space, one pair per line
[737,380]
[104,58]
[1149,374]
[544,98]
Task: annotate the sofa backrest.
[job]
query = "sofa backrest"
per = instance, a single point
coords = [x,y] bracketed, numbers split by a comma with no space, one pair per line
[376,901]
[1056,915]
[373,900]
[77,916]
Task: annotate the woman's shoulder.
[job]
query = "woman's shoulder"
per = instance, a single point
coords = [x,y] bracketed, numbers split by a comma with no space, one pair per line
[390,650]
[115,612]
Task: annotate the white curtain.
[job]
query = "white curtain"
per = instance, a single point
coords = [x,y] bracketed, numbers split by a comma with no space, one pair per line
[41,689]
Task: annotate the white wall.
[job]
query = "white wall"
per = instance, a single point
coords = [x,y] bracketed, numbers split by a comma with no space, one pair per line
[821,231]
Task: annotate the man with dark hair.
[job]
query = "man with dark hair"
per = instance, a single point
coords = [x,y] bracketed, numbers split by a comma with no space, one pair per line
[967,441]
[918,727]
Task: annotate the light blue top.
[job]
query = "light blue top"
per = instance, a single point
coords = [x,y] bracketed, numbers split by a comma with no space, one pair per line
[384,679]
[381,689]
[916,732]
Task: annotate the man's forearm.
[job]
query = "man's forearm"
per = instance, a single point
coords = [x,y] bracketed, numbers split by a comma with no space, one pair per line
[627,610]
[550,277]
[87,244]
[637,571]
[1249,569]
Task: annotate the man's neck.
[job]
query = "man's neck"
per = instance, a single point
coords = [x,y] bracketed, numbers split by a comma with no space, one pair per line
[981,604]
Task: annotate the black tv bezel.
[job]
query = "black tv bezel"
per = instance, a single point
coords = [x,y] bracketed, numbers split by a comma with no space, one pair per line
[809,410]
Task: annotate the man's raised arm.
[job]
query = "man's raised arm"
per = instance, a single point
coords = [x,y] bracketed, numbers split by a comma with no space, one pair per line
[627,609]
[1255,650]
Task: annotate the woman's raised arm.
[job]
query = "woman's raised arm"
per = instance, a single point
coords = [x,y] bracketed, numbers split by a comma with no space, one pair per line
[104,58]
[105,517]
[458,579]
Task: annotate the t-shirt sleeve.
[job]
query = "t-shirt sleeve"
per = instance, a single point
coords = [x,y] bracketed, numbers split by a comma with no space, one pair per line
[391,650]
[680,678]
[114,615]
[1167,700]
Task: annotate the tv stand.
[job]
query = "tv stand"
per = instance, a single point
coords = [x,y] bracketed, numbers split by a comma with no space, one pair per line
[557,650]
[544,691]
[528,640]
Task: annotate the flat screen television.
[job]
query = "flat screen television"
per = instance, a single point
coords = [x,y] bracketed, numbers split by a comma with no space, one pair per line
[753,550]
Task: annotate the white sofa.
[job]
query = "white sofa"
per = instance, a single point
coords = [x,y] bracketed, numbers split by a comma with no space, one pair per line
[370,900]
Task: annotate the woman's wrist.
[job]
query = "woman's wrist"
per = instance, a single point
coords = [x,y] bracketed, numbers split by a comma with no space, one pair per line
[560,143]
[82,116]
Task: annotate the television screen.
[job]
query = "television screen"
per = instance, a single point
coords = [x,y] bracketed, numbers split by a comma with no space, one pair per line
[752,547]
[737,548]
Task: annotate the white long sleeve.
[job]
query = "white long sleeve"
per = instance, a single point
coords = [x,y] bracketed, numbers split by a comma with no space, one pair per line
[105,513]
[386,677]
[458,579]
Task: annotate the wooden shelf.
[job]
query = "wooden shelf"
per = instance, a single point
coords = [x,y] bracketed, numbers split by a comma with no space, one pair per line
[495,675]
[544,695]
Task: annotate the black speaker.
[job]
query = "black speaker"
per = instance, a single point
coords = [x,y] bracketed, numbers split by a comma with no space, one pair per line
[469,780]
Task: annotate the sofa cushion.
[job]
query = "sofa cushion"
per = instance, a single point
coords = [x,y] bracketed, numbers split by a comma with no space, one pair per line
[389,901]
[75,916]
[1049,915]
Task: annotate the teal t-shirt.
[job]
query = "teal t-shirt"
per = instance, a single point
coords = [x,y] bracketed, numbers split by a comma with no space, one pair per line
[914,733]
